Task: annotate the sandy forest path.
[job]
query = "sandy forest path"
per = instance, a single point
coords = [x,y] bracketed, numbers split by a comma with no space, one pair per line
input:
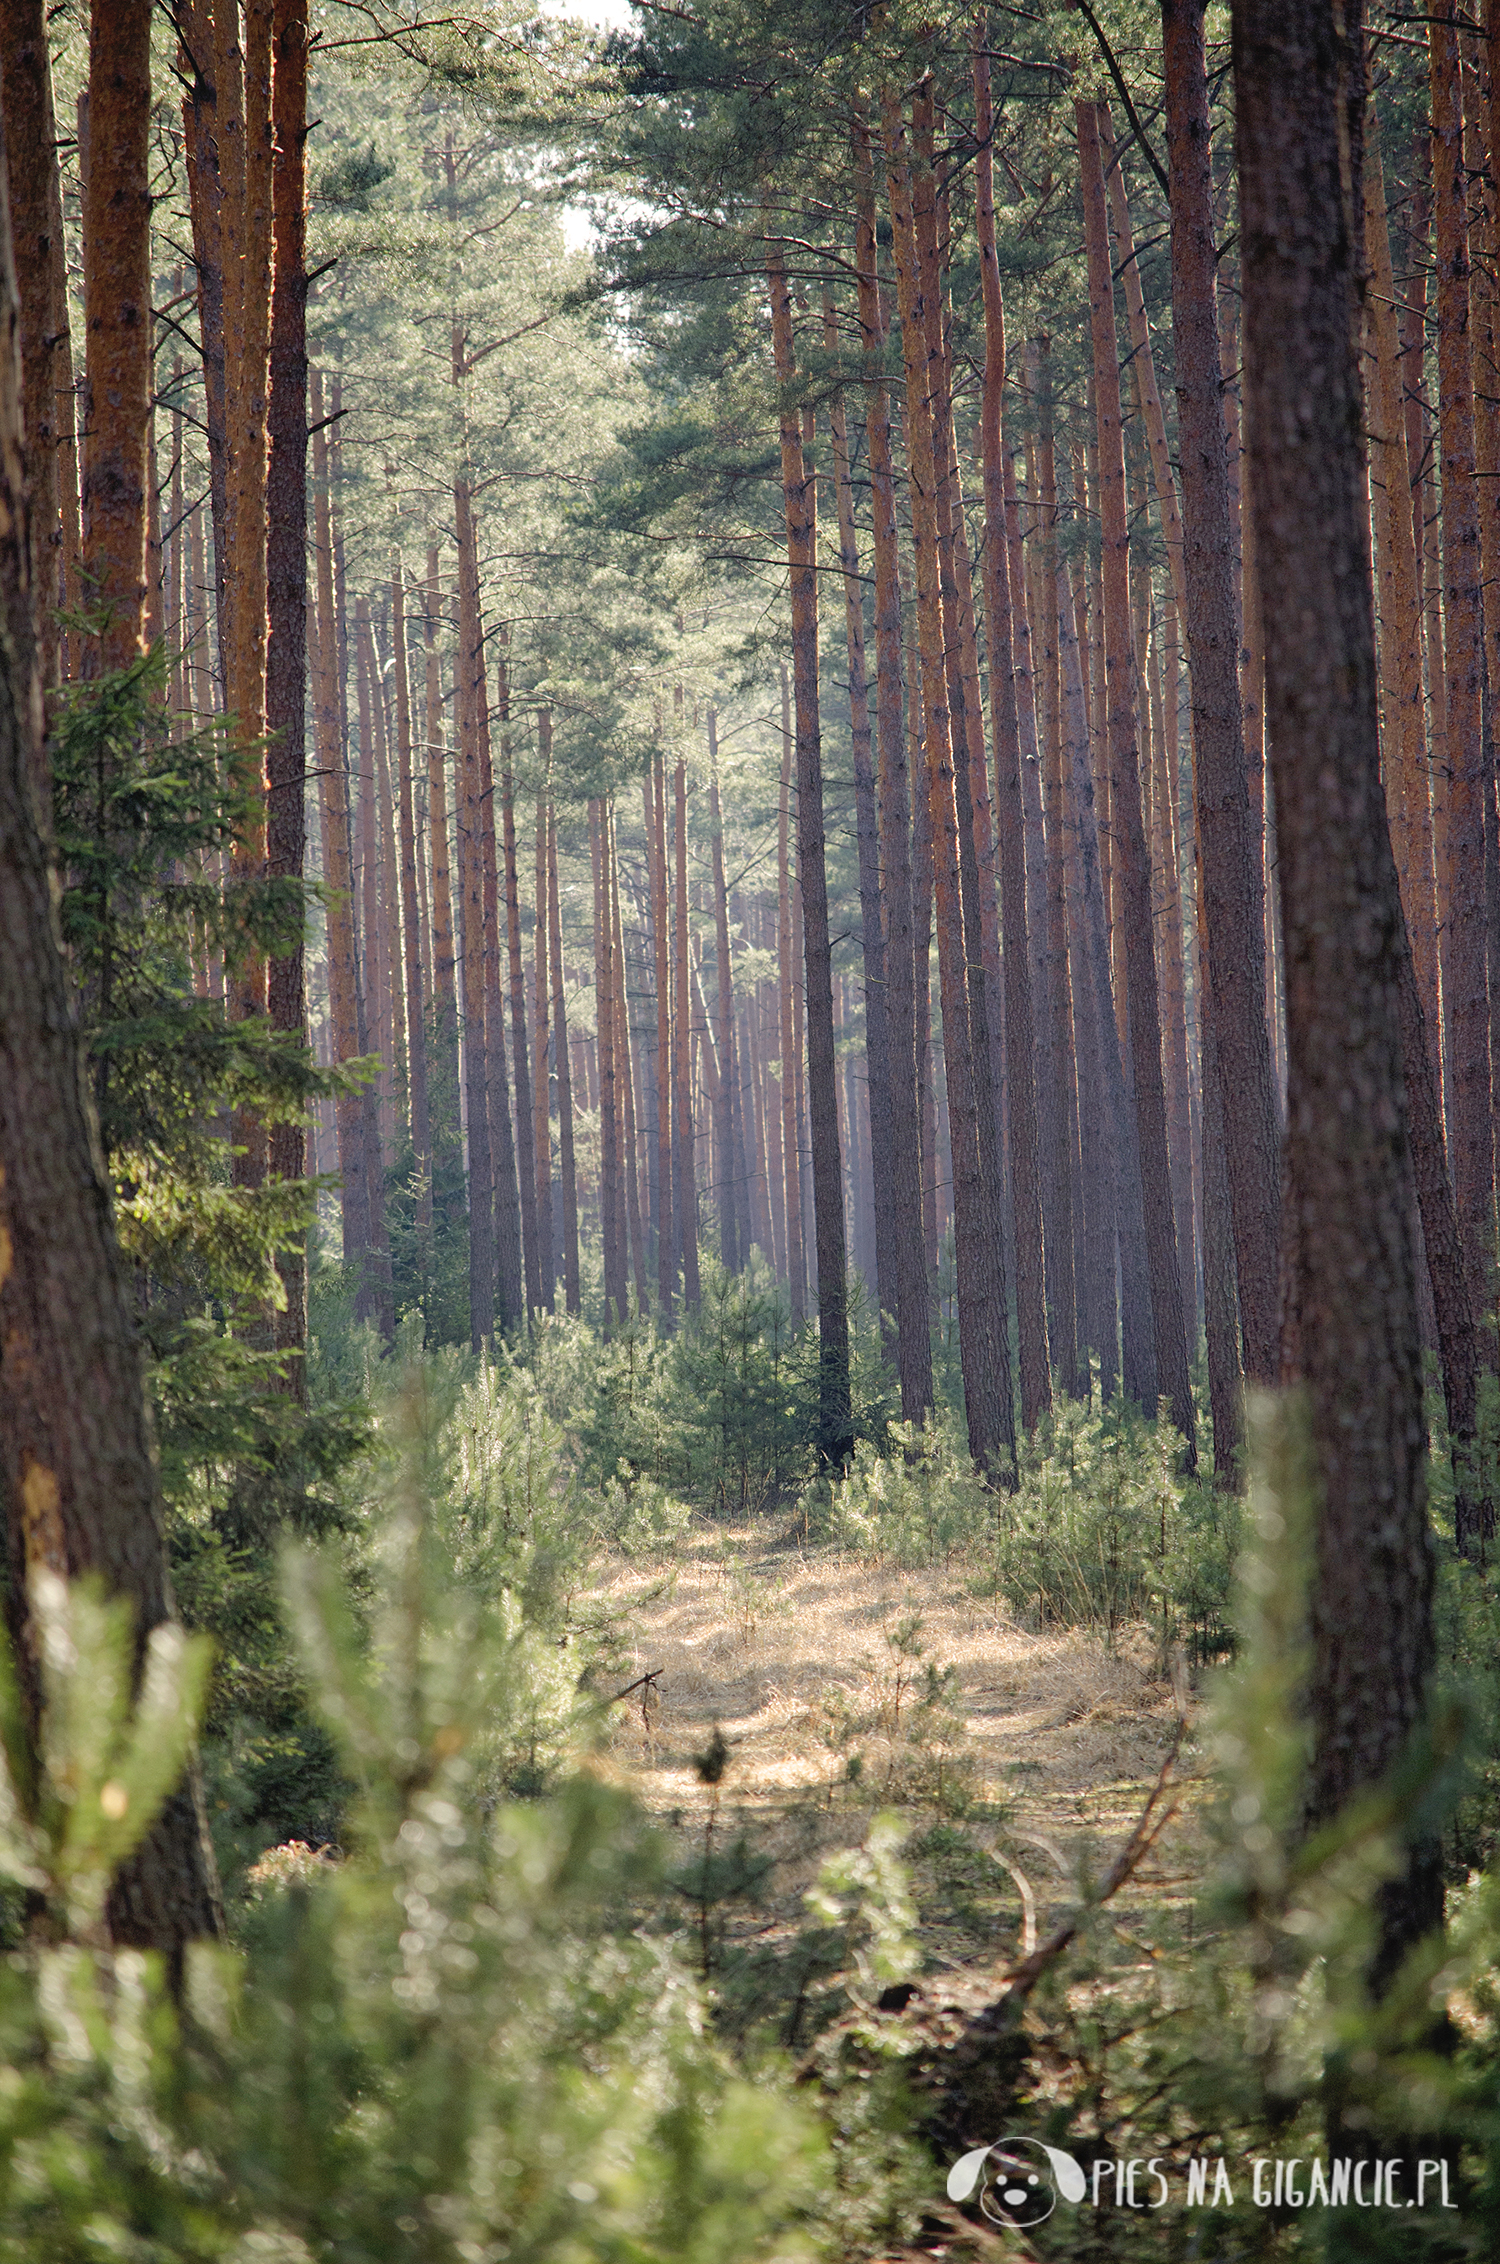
[842,1686]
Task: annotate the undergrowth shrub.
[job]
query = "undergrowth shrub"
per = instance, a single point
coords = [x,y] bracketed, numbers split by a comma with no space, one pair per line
[453,2043]
[1104,1530]
[720,1412]
[914,1498]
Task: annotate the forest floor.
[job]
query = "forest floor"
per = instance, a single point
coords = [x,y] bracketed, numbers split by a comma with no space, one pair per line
[1018,1760]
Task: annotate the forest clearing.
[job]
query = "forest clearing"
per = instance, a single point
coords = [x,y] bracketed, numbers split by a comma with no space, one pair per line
[794,1656]
[749,1191]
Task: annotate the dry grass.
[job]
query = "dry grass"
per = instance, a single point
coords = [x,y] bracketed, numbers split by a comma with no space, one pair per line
[778,1643]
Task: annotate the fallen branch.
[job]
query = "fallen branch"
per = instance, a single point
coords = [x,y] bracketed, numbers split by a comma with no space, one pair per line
[645,1681]
[1151,1823]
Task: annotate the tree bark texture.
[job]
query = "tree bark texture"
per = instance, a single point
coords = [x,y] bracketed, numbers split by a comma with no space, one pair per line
[867,836]
[982,1319]
[913,1337]
[35,213]
[334,811]
[1125,806]
[286,590]
[1461,874]
[77,1464]
[117,322]
[525,1124]
[1352,1338]
[835,1417]
[1234,938]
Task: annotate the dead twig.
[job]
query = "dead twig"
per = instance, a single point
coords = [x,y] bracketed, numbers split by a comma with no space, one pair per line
[1151,1823]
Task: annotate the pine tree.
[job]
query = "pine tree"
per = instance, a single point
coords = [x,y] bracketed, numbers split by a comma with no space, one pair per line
[1125,804]
[76,1459]
[1350,1333]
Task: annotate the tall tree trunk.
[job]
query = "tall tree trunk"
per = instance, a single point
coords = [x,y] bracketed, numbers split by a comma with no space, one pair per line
[1473,1517]
[370,1302]
[970,801]
[473,816]
[1010,813]
[1234,936]
[525,1119]
[366,832]
[200,107]
[510,1295]
[604,1023]
[286,600]
[334,812]
[392,964]
[1099,1323]
[374,1299]
[118,326]
[35,210]
[867,836]
[445,987]
[666,1270]
[247,348]
[982,1318]
[685,1191]
[571,1290]
[732,1254]
[799,488]
[1461,872]
[1352,1338]
[1405,722]
[921,896]
[416,999]
[1125,799]
[1221,1312]
[77,1468]
[913,1340]
[1123,1153]
[792,1195]
[541,1052]
[1052,913]
[625,1083]
[1421,460]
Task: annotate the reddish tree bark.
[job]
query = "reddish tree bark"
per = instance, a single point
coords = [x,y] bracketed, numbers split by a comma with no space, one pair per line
[525,1121]
[118,325]
[286,593]
[36,237]
[77,1466]
[666,1270]
[1461,867]
[571,1292]
[913,1341]
[1352,1335]
[416,1015]
[333,805]
[685,1185]
[473,816]
[791,1171]
[1010,813]
[733,1246]
[1095,1274]
[541,1055]
[1125,797]
[799,489]
[867,836]
[624,1082]
[982,1346]
[1234,937]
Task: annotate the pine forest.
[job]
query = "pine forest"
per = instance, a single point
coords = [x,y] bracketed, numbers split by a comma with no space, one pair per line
[749,1073]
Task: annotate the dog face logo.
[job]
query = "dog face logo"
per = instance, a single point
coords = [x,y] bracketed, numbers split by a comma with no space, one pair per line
[1018,2181]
